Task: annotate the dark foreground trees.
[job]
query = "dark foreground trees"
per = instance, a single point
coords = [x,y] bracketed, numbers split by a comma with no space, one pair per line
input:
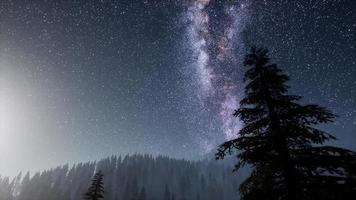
[282,144]
[96,190]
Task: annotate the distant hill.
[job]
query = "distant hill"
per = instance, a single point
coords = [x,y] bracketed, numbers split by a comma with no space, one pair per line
[126,177]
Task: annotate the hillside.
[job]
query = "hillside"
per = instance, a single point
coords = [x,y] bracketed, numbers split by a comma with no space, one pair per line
[127,177]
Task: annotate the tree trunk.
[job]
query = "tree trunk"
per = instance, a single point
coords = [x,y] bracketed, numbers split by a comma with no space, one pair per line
[280,142]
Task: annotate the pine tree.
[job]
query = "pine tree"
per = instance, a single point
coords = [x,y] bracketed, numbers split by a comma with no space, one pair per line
[96,190]
[279,140]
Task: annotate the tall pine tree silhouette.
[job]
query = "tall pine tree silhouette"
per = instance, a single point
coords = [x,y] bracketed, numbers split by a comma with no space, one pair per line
[281,143]
[96,190]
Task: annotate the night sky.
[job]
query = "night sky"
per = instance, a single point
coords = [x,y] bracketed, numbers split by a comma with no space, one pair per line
[82,80]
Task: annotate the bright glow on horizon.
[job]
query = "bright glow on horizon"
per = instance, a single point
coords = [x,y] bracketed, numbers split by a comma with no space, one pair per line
[24,121]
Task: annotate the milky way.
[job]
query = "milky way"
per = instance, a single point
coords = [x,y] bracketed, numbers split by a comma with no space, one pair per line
[81,80]
[214,36]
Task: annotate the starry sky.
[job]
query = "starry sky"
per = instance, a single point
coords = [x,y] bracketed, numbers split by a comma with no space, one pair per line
[81,80]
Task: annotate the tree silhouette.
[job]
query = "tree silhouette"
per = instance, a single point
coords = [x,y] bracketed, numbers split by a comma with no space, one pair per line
[279,140]
[96,190]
